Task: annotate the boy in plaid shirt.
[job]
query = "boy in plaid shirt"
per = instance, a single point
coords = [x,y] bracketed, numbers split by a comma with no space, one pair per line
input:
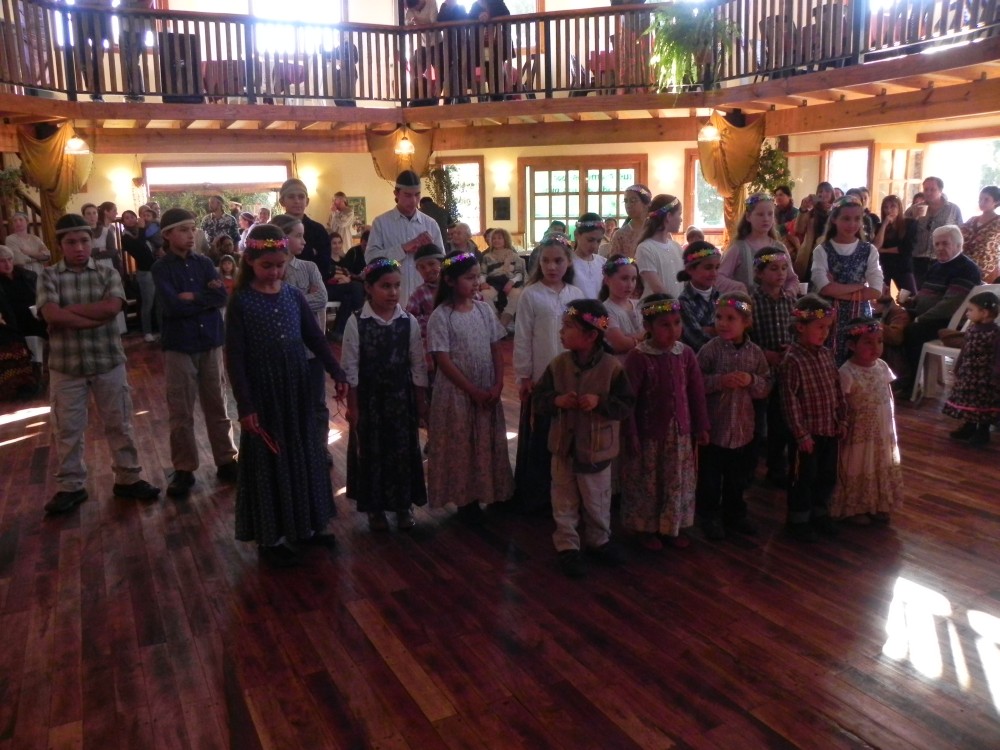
[815,411]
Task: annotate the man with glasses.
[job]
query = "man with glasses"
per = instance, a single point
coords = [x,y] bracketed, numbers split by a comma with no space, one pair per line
[939,213]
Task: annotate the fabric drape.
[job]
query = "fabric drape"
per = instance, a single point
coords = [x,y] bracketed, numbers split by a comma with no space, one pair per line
[729,163]
[388,164]
[56,174]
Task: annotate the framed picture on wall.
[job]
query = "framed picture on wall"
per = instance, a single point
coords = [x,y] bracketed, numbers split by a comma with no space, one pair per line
[357,205]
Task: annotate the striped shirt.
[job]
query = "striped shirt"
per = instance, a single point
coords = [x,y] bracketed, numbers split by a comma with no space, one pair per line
[811,398]
[82,351]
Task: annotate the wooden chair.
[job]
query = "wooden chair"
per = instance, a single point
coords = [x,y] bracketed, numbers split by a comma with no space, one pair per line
[937,359]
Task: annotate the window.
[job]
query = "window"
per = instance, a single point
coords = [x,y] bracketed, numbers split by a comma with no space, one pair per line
[702,205]
[470,190]
[562,189]
[899,171]
[847,165]
[212,178]
[285,38]
[965,166]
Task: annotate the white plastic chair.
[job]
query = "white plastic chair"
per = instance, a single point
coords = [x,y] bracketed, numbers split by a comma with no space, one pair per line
[936,360]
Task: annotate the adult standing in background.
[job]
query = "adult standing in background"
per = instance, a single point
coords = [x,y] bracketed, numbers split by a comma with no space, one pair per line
[400,232]
[141,250]
[424,57]
[294,198]
[436,212]
[341,219]
[132,45]
[219,222]
[982,234]
[29,250]
[636,200]
[939,213]
[495,44]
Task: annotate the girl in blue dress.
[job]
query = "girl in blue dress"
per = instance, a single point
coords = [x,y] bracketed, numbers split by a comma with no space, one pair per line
[284,496]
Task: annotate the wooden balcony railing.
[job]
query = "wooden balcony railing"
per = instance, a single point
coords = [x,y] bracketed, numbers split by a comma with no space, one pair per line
[58,50]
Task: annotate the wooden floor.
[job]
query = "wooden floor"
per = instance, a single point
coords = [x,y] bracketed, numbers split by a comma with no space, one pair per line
[130,625]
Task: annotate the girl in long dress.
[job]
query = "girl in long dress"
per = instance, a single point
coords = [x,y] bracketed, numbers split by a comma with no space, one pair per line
[975,395]
[870,478]
[468,462]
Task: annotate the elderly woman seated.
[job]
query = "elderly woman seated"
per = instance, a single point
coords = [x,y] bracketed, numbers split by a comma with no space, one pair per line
[948,282]
[17,323]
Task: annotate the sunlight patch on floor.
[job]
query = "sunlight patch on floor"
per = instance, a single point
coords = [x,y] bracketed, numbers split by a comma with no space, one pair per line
[333,436]
[18,439]
[987,627]
[22,414]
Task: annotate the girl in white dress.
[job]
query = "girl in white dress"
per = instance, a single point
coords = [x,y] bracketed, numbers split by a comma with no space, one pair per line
[625,329]
[588,265]
[657,256]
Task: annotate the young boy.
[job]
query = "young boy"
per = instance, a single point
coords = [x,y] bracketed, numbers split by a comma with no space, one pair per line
[421,303]
[772,305]
[294,198]
[587,393]
[815,411]
[80,301]
[191,296]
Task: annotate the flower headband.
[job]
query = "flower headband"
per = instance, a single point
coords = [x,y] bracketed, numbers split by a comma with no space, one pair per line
[848,200]
[268,244]
[600,322]
[612,266]
[557,238]
[378,263]
[641,190]
[764,260]
[586,226]
[756,198]
[736,304]
[664,210]
[862,328]
[813,314]
[456,259]
[698,255]
[649,309]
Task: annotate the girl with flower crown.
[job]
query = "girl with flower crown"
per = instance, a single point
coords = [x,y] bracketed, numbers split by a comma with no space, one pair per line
[658,256]
[757,229]
[702,288]
[658,468]
[468,461]
[284,496]
[383,356]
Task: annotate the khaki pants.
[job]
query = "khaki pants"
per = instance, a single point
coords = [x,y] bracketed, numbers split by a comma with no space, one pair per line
[572,493]
[69,395]
[190,376]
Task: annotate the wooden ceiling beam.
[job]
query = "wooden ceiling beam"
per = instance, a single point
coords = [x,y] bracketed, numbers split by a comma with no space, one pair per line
[608,131]
[938,103]
[8,139]
[163,141]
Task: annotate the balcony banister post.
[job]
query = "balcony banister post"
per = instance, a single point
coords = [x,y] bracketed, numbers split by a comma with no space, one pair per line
[547,55]
[69,58]
[861,12]
[251,63]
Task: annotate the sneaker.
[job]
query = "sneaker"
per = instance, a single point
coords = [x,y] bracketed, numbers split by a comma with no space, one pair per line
[713,530]
[607,554]
[180,484]
[742,526]
[404,520]
[378,522]
[964,432]
[149,338]
[471,514]
[571,563]
[64,502]
[802,532]
[319,540]
[228,472]
[826,526]
[278,556]
[141,490]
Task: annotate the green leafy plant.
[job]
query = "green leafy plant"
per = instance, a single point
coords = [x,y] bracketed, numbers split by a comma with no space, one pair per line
[11,180]
[442,188]
[688,44]
[197,201]
[772,170]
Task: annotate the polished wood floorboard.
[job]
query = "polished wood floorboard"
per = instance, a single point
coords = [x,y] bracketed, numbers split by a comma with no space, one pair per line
[129,625]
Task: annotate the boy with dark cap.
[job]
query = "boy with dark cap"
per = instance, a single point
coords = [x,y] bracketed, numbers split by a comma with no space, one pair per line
[294,198]
[80,301]
[191,296]
[399,233]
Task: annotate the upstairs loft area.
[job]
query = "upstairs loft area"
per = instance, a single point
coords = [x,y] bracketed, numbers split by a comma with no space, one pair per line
[75,53]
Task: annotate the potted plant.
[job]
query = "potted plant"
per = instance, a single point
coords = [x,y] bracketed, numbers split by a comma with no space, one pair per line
[688,44]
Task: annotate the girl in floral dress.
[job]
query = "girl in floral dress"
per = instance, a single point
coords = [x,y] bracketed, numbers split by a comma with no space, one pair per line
[975,396]
[468,461]
[870,478]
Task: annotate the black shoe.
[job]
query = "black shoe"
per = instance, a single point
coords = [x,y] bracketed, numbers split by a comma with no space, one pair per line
[279,556]
[96,98]
[471,514]
[742,526]
[64,502]
[404,520]
[180,484]
[329,459]
[802,532]
[607,554]
[713,530]
[966,431]
[982,435]
[141,490]
[319,540]
[228,472]
[571,563]
[826,526]
[135,98]
[378,522]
